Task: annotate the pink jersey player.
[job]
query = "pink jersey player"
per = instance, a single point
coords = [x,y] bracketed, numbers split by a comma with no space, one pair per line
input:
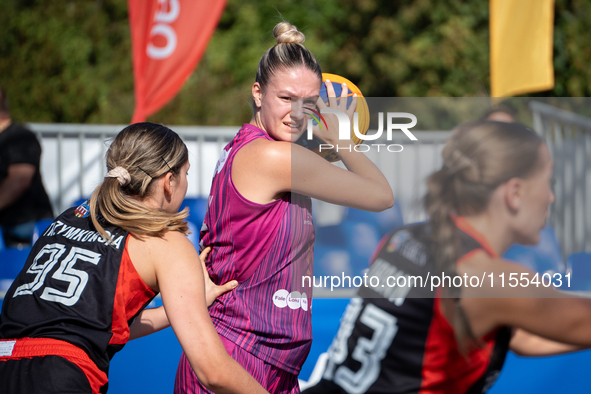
[259,220]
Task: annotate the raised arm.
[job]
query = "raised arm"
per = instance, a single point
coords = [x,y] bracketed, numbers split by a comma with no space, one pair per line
[264,169]
[179,278]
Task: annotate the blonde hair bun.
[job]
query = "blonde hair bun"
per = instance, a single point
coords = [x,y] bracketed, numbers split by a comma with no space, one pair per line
[286,33]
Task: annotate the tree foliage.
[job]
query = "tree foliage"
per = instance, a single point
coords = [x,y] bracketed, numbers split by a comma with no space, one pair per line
[70,60]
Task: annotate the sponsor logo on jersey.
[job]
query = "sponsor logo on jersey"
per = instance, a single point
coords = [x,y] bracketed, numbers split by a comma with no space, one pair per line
[397,240]
[82,211]
[294,300]
[222,160]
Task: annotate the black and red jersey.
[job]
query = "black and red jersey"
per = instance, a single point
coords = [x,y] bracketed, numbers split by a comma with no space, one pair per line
[397,340]
[78,288]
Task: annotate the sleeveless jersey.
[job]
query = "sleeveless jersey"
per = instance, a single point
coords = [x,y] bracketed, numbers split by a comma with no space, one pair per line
[398,343]
[76,288]
[267,248]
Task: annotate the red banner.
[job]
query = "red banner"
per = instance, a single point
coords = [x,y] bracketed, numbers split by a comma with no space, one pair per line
[168,39]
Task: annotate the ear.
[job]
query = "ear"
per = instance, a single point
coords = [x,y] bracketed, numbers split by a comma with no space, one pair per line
[257,94]
[514,193]
[168,183]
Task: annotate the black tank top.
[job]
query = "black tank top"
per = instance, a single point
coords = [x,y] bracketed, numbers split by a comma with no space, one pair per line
[398,341]
[76,287]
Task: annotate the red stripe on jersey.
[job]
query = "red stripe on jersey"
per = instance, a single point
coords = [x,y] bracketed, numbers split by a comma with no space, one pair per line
[445,369]
[41,347]
[466,227]
[130,297]
[381,244]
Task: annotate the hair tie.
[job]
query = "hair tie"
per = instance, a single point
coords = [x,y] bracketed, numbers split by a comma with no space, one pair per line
[121,174]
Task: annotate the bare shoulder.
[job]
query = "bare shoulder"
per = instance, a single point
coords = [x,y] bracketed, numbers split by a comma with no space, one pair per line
[150,251]
[172,243]
[154,244]
[265,153]
[262,169]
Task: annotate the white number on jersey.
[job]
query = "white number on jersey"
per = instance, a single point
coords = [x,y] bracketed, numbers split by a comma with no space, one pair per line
[66,272]
[369,352]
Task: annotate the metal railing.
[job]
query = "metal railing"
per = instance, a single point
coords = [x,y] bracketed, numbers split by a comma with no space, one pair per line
[73,157]
[568,136]
[406,172]
[73,160]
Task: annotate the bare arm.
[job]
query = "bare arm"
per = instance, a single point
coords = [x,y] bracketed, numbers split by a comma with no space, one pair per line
[524,343]
[153,320]
[181,283]
[541,311]
[363,186]
[18,180]
[148,322]
[264,170]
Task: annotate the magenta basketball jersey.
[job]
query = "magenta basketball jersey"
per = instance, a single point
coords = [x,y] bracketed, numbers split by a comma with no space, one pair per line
[267,248]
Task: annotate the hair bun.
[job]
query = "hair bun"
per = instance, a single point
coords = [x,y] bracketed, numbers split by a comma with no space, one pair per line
[286,33]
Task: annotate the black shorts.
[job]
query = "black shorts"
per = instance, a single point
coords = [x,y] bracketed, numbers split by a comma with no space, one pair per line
[46,365]
[40,375]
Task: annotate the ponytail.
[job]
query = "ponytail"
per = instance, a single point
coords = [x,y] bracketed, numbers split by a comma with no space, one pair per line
[139,154]
[477,158]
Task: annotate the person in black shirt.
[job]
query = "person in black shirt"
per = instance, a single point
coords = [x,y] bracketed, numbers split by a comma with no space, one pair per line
[23,199]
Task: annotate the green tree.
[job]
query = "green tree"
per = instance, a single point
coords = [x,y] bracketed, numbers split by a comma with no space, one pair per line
[70,60]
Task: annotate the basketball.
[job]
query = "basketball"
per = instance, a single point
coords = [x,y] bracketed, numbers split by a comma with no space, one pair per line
[362,110]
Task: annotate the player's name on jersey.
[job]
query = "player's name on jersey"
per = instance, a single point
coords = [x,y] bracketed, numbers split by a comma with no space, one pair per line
[77,234]
[396,294]
[403,243]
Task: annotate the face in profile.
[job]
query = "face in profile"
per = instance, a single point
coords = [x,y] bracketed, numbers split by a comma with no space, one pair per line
[536,199]
[180,188]
[274,103]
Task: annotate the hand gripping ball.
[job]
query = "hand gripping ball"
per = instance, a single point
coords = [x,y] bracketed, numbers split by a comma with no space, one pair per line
[362,111]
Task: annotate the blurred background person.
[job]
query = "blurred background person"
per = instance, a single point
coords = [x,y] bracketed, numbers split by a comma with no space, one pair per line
[493,191]
[23,199]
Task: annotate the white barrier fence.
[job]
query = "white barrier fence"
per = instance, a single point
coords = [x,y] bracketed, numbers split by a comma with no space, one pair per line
[569,138]
[72,163]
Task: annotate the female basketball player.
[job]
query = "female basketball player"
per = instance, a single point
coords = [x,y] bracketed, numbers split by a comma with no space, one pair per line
[259,219]
[94,270]
[493,190]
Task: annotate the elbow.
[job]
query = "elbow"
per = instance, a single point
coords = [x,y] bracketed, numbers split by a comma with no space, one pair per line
[389,203]
[212,379]
[384,201]
[519,351]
